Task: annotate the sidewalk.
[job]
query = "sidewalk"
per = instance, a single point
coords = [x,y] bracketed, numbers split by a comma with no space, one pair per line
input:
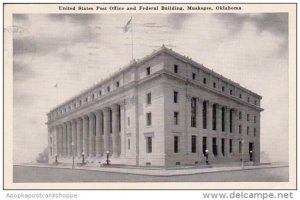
[160,171]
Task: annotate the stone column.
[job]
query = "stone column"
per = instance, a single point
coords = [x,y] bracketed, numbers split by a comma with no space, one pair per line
[98,132]
[115,129]
[92,133]
[79,136]
[65,141]
[69,132]
[227,144]
[106,122]
[219,147]
[60,142]
[85,131]
[199,114]
[210,148]
[209,115]
[74,138]
[123,138]
[227,120]
[57,140]
[219,118]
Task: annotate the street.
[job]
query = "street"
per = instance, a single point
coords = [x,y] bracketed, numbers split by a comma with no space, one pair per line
[24,174]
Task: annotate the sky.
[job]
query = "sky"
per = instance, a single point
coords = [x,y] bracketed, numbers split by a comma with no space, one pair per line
[76,51]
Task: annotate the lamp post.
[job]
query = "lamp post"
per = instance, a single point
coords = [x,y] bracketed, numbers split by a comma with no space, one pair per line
[206,155]
[82,155]
[73,164]
[243,154]
[107,158]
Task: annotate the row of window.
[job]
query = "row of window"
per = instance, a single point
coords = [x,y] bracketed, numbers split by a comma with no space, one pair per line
[204,81]
[248,130]
[85,100]
[176,145]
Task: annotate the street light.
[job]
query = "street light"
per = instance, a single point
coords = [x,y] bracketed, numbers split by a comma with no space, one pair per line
[82,155]
[243,154]
[206,155]
[73,164]
[107,158]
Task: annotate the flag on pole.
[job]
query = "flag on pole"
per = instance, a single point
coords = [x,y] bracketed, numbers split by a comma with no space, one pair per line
[127,26]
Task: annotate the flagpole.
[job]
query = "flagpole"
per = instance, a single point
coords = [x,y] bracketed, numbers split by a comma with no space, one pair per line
[131,41]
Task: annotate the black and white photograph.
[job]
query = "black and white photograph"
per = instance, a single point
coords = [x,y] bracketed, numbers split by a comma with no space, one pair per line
[149,93]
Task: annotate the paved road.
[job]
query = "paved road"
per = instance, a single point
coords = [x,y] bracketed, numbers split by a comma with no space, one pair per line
[23,174]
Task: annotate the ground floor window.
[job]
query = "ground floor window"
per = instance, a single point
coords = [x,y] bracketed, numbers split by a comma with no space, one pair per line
[128,144]
[176,144]
[204,145]
[149,144]
[215,147]
[230,145]
[194,143]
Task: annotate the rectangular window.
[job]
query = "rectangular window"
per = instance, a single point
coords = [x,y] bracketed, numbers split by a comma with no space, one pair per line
[118,84]
[255,102]
[248,117]
[240,147]
[193,112]
[175,68]
[230,92]
[214,117]
[148,71]
[149,98]
[128,144]
[204,80]
[176,144]
[240,115]
[108,88]
[254,131]
[230,120]
[204,114]
[194,144]
[214,84]
[194,76]
[175,97]
[248,99]
[149,144]
[204,145]
[176,115]
[149,119]
[230,145]
[247,130]
[223,89]
[223,119]
[240,129]
[128,121]
[240,96]
[254,119]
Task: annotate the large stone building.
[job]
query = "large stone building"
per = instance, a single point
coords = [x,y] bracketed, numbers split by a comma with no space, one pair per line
[162,110]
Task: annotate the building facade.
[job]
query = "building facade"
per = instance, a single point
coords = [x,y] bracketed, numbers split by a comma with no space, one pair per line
[162,110]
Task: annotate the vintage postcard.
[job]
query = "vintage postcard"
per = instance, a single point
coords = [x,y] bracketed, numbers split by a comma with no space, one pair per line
[149,96]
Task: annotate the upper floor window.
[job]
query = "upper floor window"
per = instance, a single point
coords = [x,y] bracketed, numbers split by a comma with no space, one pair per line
[204,80]
[175,97]
[214,84]
[175,68]
[176,144]
[254,131]
[248,99]
[176,115]
[254,119]
[149,119]
[148,71]
[118,84]
[223,89]
[248,117]
[149,98]
[247,130]
[108,89]
[240,129]
[230,92]
[93,96]
[255,102]
[194,76]
[128,121]
[80,102]
[240,115]
[240,96]
[100,92]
